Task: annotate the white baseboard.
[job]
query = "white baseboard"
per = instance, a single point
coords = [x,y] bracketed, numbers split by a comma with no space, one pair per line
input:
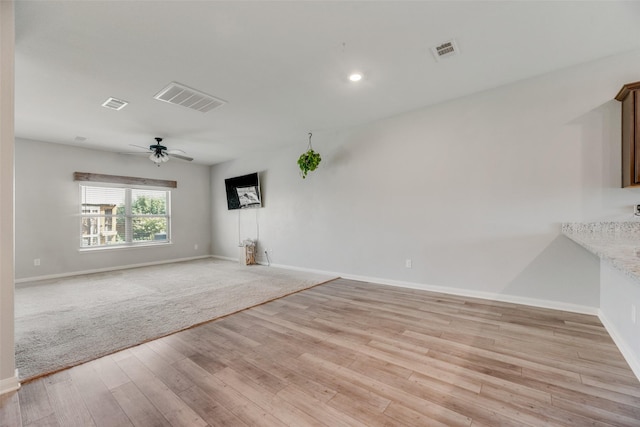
[514,299]
[103,270]
[627,353]
[533,302]
[225,258]
[308,270]
[9,384]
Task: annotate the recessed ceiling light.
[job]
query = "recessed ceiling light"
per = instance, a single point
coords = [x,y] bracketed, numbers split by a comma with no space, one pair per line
[355,77]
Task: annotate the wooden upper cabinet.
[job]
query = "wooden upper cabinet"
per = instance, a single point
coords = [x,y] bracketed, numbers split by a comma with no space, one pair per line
[629,95]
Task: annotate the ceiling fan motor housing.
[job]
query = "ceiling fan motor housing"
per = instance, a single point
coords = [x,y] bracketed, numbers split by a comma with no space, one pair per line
[157,148]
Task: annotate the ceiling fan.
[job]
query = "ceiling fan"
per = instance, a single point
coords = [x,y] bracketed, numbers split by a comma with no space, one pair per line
[160,154]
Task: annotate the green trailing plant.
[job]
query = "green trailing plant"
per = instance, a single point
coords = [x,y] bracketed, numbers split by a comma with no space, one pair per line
[309,161]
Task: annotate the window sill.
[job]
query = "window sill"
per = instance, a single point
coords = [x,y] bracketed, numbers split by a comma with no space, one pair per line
[123,247]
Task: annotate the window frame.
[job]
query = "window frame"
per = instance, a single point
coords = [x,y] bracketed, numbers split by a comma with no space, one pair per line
[128,217]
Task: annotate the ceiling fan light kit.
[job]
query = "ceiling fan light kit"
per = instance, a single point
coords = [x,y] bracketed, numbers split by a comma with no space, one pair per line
[158,158]
[159,153]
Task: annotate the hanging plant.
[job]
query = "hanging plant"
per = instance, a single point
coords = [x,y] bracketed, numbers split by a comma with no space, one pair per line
[309,160]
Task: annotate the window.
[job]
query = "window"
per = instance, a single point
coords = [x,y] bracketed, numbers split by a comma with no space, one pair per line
[123,216]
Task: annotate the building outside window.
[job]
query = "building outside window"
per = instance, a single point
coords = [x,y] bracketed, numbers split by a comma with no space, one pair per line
[123,216]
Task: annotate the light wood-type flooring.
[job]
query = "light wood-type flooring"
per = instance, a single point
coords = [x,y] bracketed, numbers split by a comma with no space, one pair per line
[352,354]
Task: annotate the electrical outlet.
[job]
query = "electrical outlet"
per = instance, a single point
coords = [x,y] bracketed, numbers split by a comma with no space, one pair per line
[633,313]
[36,262]
[407,263]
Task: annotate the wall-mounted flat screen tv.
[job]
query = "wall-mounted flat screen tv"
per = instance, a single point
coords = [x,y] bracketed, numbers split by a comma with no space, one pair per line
[243,192]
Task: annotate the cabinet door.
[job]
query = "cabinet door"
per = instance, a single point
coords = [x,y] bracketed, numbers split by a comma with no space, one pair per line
[635,134]
[629,161]
[629,96]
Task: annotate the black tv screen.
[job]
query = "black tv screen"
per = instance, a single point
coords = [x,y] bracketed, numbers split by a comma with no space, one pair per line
[243,192]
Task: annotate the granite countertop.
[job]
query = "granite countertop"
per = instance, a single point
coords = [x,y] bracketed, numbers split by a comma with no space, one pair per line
[615,242]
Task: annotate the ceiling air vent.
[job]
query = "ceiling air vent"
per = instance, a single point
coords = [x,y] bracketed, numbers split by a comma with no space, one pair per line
[176,93]
[445,50]
[114,104]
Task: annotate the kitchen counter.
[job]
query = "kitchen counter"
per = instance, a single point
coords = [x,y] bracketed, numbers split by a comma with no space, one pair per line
[615,242]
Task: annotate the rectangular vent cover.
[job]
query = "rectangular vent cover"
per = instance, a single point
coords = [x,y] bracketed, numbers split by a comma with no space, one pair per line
[445,50]
[179,94]
[114,104]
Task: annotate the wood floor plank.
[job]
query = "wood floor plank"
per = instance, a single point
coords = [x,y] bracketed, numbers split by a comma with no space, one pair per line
[486,409]
[596,414]
[211,411]
[363,412]
[68,406]
[161,369]
[258,375]
[290,375]
[612,382]
[231,338]
[239,321]
[49,421]
[109,372]
[409,417]
[34,402]
[437,369]
[280,408]
[545,410]
[243,408]
[10,410]
[339,383]
[475,362]
[164,350]
[600,355]
[318,410]
[349,353]
[279,324]
[168,403]
[209,364]
[516,357]
[138,408]
[375,366]
[102,406]
[395,392]
[180,345]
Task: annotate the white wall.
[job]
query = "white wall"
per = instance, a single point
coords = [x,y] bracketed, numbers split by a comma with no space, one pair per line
[8,375]
[473,191]
[47,207]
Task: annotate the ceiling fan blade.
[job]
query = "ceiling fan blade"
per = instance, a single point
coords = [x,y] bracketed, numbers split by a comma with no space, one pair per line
[176,151]
[181,157]
[133,153]
[140,146]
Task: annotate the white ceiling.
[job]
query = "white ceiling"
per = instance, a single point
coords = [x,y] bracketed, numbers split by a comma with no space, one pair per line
[282,66]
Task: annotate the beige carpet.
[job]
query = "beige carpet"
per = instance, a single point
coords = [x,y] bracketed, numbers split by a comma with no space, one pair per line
[64,322]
